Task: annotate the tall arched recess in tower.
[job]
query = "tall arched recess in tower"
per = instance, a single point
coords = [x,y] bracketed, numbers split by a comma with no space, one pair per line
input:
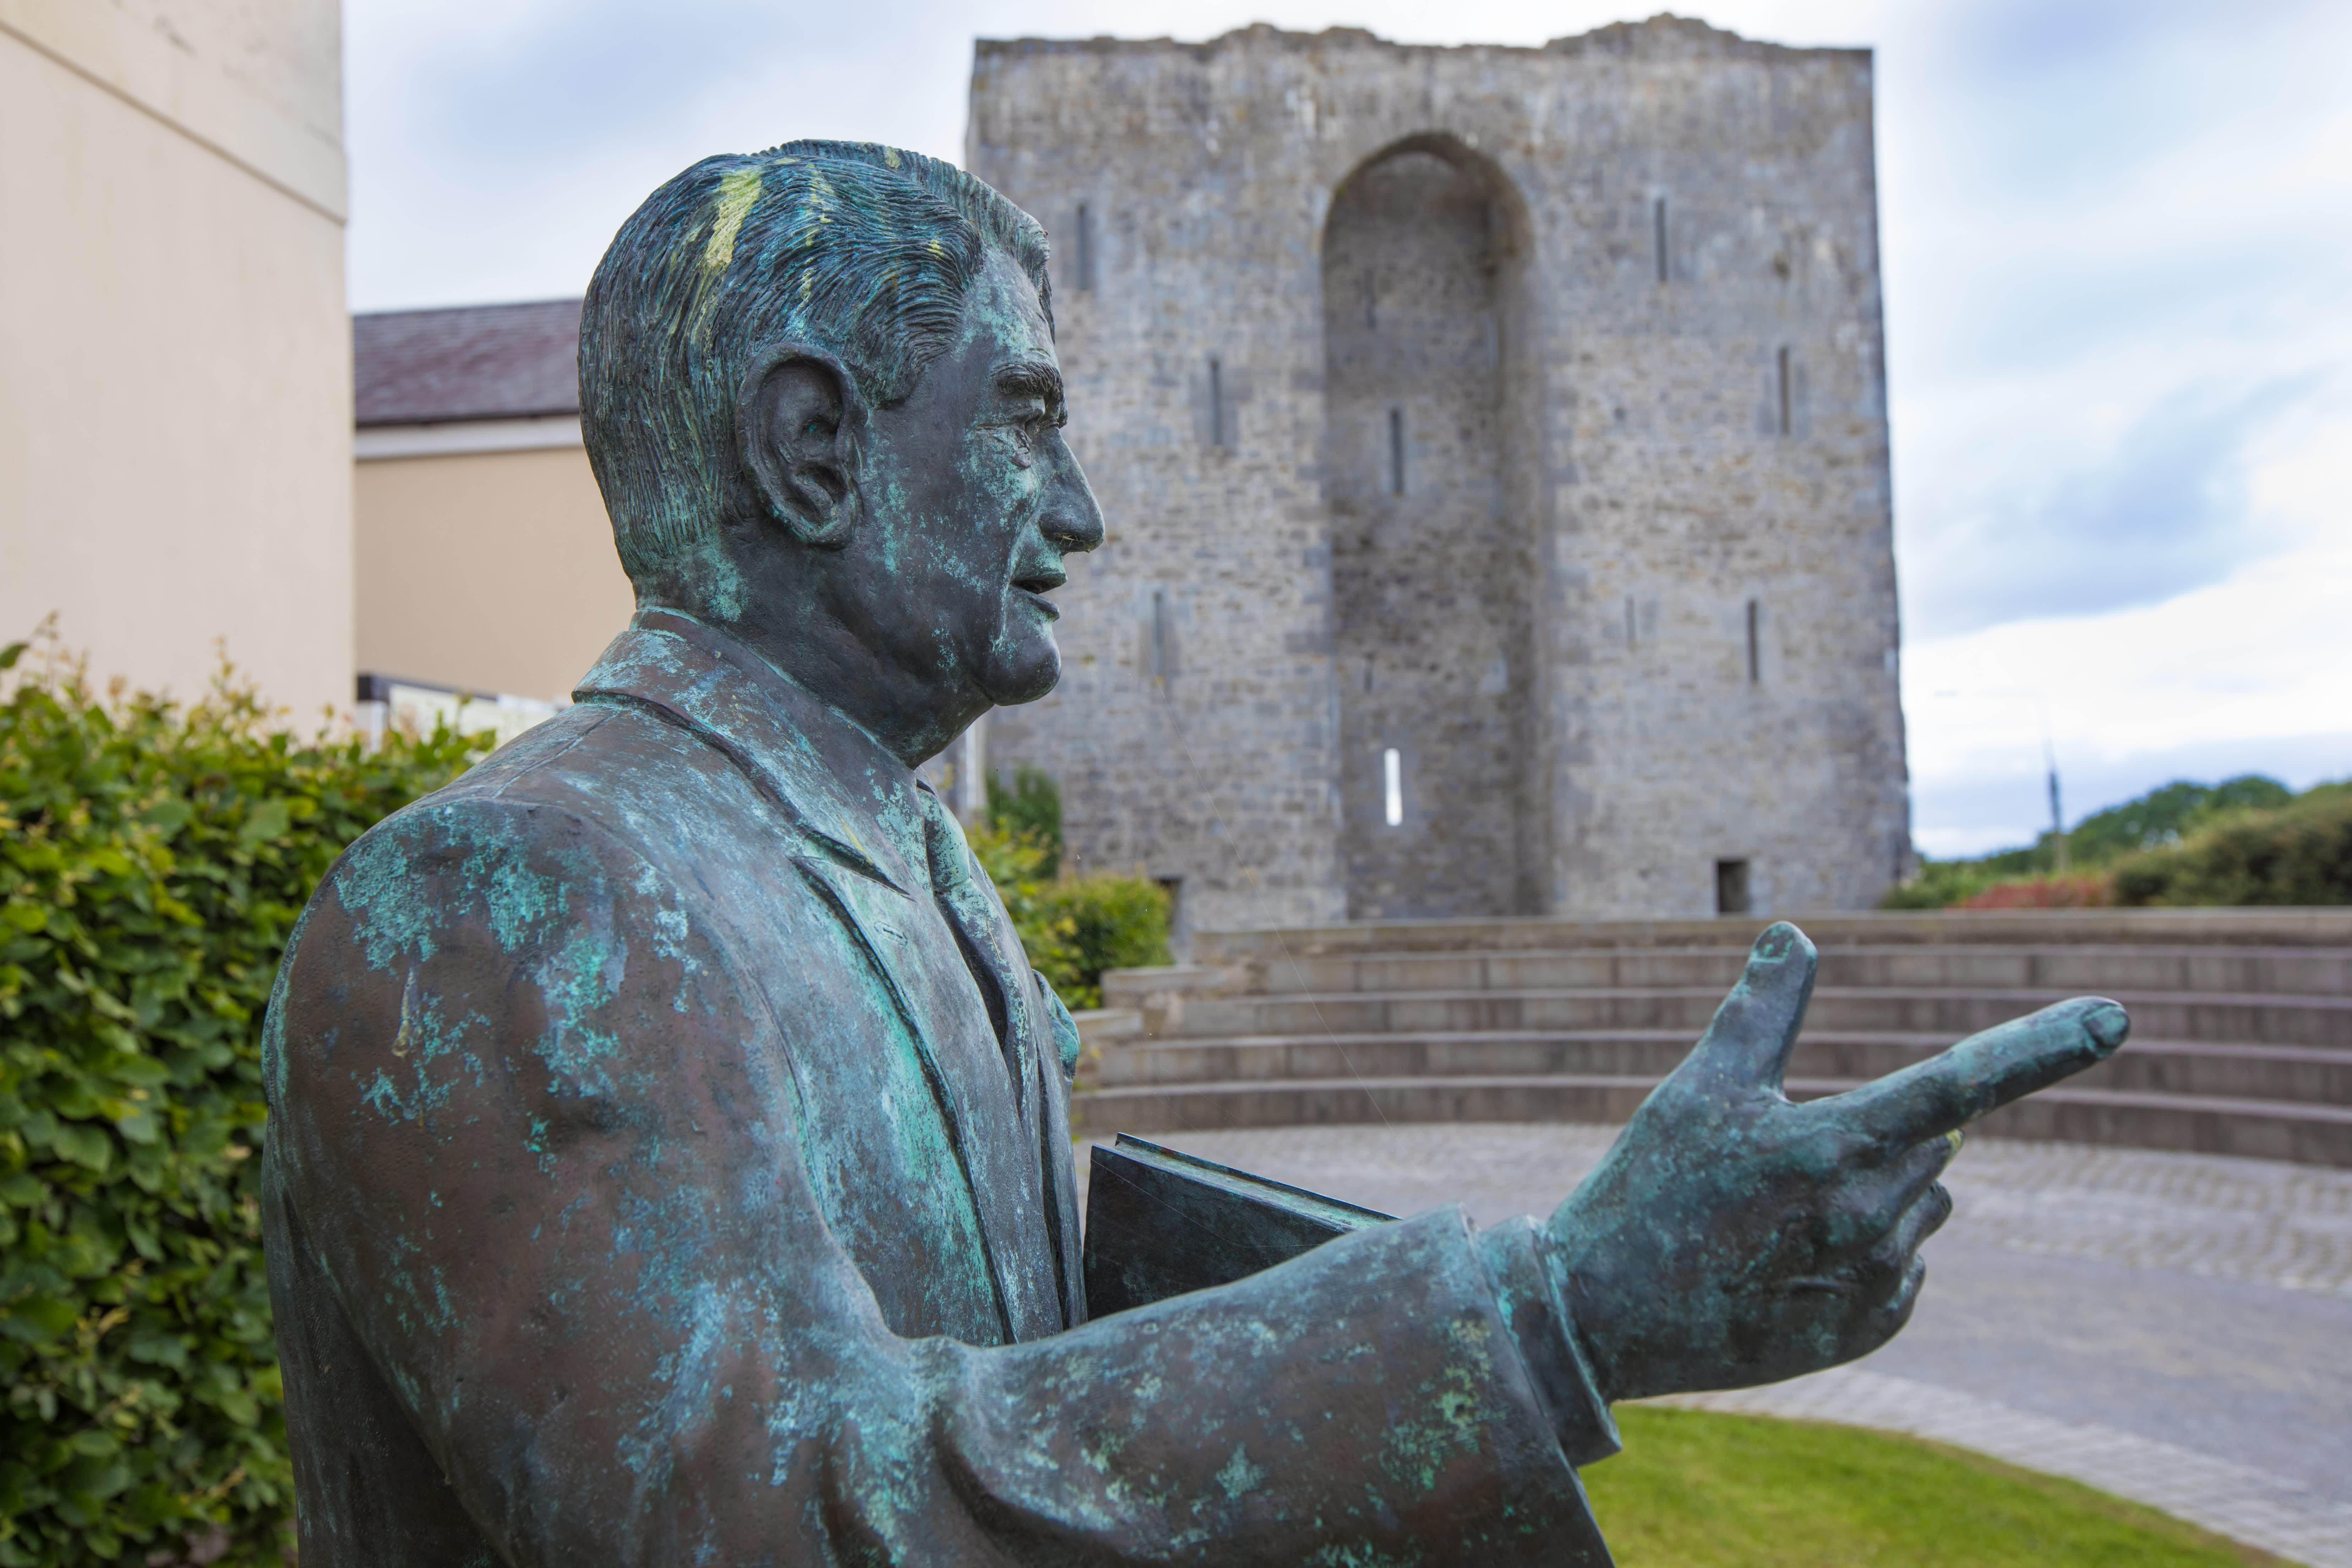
[1433,568]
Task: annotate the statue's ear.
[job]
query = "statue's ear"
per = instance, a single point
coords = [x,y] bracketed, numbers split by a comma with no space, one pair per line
[798,419]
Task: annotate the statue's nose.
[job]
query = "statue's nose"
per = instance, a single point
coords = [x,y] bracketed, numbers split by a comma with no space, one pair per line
[1071,518]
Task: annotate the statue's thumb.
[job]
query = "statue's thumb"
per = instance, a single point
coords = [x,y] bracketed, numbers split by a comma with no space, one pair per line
[1755,1029]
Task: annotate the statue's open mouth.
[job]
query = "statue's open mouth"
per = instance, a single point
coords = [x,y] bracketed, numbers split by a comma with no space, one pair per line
[1036,589]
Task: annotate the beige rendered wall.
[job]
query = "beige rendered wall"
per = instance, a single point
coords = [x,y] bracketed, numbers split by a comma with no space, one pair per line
[486,570]
[175,399]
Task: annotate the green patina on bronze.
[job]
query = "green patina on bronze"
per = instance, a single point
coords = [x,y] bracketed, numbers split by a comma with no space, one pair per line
[669,1155]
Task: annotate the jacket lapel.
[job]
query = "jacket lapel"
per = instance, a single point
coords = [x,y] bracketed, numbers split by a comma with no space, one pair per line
[938,1004]
[986,932]
[1055,1065]
[868,860]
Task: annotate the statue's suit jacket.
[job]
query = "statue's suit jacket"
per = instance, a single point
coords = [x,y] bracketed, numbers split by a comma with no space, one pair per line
[668,1162]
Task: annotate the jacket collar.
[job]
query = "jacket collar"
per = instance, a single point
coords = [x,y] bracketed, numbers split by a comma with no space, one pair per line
[841,787]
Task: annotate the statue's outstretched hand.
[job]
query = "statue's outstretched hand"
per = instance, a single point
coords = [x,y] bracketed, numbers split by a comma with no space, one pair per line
[1733,1237]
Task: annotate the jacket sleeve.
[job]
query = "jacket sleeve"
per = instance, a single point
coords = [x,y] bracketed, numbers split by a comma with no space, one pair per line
[541,1142]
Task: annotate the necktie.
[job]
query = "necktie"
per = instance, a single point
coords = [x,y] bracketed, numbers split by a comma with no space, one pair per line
[971,914]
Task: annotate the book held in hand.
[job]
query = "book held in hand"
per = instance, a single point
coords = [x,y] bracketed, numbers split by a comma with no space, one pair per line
[1161,1223]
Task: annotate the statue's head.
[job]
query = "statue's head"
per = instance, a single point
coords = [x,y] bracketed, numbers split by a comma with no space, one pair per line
[819,390]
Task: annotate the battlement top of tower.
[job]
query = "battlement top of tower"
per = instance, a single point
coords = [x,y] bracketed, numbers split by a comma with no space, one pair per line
[1661,37]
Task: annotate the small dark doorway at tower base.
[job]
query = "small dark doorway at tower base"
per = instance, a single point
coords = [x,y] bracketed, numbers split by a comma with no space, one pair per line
[1731,887]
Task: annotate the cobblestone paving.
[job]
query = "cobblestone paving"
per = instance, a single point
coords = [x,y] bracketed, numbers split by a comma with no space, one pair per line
[2171,1328]
[2261,1221]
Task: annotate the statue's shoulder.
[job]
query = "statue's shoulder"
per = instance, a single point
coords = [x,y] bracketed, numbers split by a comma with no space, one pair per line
[594,825]
[602,800]
[615,777]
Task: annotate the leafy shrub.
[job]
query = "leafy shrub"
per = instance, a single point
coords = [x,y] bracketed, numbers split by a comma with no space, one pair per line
[151,863]
[1970,885]
[2298,854]
[1938,884]
[1031,807]
[1075,928]
[1015,861]
[1116,923]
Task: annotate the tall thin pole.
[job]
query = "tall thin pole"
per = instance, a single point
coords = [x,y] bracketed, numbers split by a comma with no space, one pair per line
[2057,811]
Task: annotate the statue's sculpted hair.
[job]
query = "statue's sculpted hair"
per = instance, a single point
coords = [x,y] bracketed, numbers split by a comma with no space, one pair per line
[865,251]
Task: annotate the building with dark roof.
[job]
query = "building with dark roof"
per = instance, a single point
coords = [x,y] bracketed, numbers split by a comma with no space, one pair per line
[485,563]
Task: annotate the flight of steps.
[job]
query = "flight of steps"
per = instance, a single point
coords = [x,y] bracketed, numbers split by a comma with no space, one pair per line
[2242,1021]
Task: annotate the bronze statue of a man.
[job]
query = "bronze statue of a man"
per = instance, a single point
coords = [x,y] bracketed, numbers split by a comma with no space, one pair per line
[668,1154]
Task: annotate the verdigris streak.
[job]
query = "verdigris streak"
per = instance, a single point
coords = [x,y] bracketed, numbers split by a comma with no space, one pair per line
[669,1156]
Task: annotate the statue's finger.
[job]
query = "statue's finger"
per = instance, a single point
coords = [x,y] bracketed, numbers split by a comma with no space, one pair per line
[1892,1192]
[1982,1072]
[1750,1039]
[1884,1321]
[1923,1219]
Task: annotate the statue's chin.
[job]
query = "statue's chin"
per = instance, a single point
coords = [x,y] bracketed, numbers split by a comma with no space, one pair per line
[1032,670]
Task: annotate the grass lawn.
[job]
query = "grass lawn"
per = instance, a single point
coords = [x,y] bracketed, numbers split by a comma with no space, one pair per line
[1695,1489]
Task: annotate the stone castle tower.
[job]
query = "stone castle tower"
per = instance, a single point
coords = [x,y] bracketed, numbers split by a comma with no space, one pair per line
[1494,448]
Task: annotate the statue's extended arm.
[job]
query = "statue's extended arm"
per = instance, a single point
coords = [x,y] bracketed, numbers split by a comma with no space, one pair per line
[544,1147]
[1733,1237]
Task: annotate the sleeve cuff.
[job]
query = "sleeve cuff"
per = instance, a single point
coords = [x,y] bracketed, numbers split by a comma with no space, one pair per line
[1528,1295]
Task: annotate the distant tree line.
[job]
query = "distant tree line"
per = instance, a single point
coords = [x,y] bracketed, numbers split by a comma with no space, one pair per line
[2246,840]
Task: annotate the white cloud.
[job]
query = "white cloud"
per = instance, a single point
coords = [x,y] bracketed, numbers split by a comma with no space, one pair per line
[2251,674]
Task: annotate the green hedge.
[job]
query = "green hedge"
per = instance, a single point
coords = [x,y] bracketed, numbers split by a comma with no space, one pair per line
[1116,923]
[1074,927]
[151,862]
[2298,854]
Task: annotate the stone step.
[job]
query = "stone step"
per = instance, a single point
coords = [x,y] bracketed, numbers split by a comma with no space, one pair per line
[2072,970]
[2220,1017]
[2209,928]
[2316,1135]
[2299,1074]
[2243,1020]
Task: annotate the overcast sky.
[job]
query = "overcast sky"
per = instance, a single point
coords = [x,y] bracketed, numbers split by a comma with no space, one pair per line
[2118,261]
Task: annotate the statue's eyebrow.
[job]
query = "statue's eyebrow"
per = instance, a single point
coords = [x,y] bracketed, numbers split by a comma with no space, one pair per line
[1030,378]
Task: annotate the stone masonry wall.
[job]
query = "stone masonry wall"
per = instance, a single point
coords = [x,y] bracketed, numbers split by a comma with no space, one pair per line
[1684,437]
[1430,597]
